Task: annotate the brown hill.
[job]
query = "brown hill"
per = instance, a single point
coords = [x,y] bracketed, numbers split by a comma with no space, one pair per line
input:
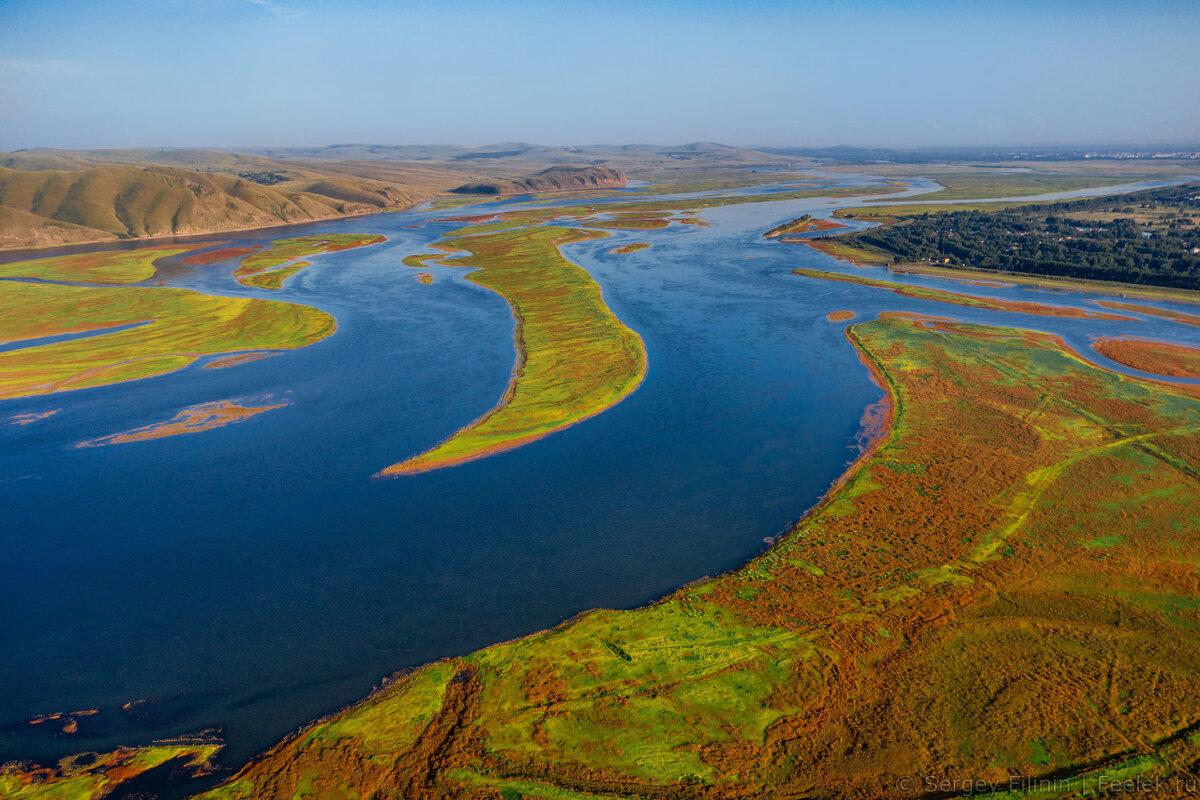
[57,197]
[553,179]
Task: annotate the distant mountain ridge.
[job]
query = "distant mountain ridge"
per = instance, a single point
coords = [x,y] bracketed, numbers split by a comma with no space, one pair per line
[552,179]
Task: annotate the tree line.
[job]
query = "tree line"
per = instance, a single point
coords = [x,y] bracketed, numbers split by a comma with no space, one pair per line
[1041,240]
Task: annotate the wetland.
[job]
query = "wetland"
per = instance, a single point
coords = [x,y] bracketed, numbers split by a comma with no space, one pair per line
[574,422]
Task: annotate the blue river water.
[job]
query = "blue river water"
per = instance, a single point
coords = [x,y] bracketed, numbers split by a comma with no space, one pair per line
[256,576]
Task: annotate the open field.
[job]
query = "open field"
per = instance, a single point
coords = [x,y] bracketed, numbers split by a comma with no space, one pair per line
[574,357]
[933,617]
[136,332]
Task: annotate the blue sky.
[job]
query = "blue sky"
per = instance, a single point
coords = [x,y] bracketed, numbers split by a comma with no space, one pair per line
[297,72]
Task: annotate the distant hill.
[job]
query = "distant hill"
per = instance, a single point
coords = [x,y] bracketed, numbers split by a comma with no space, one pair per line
[50,196]
[552,179]
[58,197]
[508,158]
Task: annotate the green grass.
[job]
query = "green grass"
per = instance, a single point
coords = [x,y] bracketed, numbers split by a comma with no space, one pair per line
[181,326]
[116,267]
[575,358]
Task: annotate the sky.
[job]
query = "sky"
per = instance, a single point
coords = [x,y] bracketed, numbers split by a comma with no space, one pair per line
[236,73]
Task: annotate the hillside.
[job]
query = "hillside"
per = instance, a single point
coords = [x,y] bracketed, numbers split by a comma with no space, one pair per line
[552,179]
[58,197]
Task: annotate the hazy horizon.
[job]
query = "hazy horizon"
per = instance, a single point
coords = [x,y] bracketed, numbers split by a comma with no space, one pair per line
[233,74]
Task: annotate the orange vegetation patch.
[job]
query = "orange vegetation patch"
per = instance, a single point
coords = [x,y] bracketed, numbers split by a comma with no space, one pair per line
[1159,358]
[213,256]
[235,359]
[839,316]
[629,248]
[26,419]
[472,218]
[425,278]
[192,419]
[1165,313]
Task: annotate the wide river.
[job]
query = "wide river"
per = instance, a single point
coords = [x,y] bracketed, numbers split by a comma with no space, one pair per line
[256,576]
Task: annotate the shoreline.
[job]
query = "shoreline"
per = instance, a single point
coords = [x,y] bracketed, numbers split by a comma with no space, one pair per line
[889,405]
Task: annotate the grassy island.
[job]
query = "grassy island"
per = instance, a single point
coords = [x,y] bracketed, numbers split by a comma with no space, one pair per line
[626,249]
[804,224]
[103,335]
[574,357]
[193,419]
[265,269]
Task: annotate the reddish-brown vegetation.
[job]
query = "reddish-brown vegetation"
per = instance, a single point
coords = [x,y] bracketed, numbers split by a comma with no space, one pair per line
[1159,358]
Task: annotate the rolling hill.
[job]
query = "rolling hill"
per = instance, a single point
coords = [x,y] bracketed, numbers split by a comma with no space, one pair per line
[60,197]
